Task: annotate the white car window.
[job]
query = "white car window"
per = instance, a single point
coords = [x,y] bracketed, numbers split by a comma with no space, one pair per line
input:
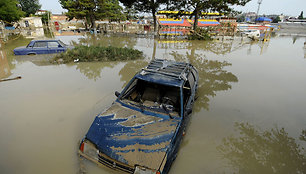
[53,44]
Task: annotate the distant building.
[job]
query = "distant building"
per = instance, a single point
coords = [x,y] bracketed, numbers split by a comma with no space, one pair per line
[59,18]
[30,22]
[250,16]
[41,12]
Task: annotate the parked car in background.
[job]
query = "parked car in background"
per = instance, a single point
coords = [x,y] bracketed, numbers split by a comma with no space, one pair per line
[141,131]
[41,47]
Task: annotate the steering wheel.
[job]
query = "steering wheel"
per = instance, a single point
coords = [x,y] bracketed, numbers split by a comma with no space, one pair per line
[168,101]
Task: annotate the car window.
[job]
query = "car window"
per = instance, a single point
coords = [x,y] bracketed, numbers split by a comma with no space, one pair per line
[40,45]
[130,89]
[53,44]
[153,96]
[191,80]
[194,73]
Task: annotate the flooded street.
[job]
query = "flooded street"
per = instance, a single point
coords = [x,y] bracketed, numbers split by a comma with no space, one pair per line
[248,91]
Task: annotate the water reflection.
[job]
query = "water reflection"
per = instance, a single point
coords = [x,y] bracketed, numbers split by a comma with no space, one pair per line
[8,47]
[218,47]
[130,69]
[5,70]
[305,50]
[212,76]
[270,151]
[92,70]
[106,40]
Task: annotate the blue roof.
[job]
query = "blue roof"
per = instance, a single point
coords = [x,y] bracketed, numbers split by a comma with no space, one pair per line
[261,19]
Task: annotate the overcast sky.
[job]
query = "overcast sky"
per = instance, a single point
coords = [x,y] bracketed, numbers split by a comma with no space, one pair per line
[287,7]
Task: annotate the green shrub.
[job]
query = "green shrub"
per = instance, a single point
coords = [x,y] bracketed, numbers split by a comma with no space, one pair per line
[97,53]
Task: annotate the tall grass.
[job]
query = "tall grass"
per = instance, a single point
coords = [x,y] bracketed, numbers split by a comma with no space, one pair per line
[98,53]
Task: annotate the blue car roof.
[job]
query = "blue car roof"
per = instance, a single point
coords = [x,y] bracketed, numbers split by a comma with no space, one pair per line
[160,79]
[45,40]
[165,72]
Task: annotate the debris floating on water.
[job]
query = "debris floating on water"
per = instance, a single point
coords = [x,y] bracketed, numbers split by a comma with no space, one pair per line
[15,78]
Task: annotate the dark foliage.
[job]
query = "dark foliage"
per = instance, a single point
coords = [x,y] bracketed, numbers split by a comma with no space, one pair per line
[98,53]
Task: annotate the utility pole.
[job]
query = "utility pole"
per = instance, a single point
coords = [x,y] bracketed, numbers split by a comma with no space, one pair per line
[259,3]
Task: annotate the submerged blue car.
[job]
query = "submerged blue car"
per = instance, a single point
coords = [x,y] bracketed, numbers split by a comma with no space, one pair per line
[141,131]
[41,47]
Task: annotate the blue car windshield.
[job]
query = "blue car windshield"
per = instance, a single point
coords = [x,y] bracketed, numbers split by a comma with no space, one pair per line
[153,97]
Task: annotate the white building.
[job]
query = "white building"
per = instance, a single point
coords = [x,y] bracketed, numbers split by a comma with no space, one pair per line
[30,22]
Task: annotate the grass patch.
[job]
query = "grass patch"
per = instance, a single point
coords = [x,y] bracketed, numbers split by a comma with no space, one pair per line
[97,53]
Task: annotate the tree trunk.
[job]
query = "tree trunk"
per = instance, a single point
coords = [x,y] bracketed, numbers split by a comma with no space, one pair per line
[93,23]
[154,20]
[86,25]
[153,14]
[196,18]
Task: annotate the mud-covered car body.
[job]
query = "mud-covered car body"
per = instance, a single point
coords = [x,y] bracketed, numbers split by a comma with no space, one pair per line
[142,130]
[41,47]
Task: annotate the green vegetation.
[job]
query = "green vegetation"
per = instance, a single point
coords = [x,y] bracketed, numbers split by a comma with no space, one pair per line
[147,6]
[9,11]
[93,10]
[98,53]
[111,10]
[301,15]
[29,6]
[45,17]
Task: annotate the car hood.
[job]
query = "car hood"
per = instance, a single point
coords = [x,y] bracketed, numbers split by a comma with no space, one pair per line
[20,48]
[132,137]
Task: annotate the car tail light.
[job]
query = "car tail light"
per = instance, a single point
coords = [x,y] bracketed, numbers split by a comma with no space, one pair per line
[89,149]
[82,147]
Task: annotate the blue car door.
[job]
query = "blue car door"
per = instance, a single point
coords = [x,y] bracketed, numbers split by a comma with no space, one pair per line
[55,47]
[40,47]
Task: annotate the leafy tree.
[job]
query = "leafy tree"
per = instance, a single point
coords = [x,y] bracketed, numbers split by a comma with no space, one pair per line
[301,15]
[9,11]
[29,6]
[92,10]
[147,6]
[276,20]
[130,13]
[111,10]
[45,17]
[81,9]
[198,6]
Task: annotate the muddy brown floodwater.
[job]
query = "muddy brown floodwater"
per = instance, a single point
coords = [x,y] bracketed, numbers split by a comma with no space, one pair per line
[249,116]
